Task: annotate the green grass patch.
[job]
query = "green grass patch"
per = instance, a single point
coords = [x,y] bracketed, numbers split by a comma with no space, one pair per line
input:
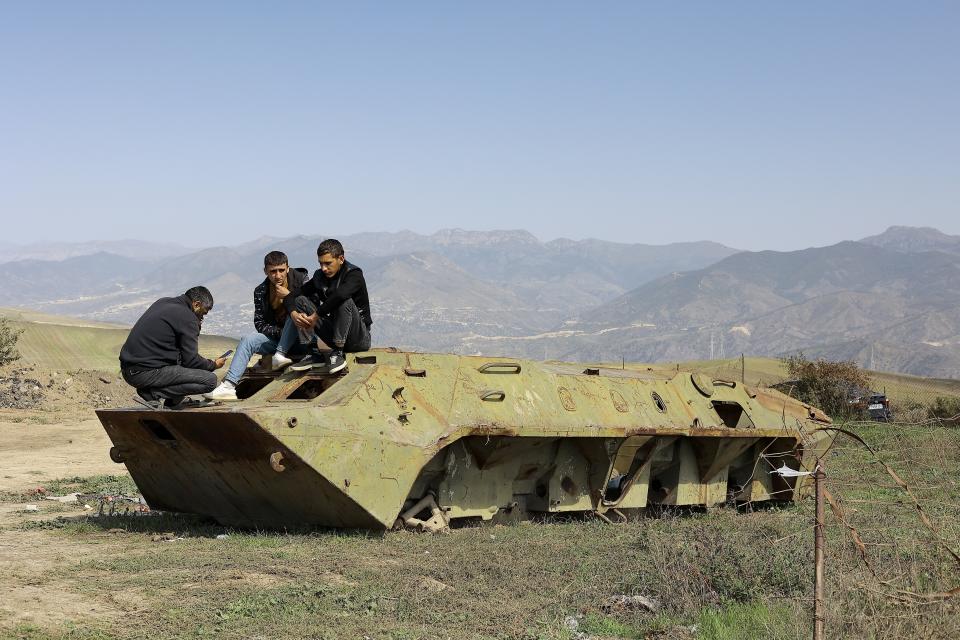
[102,484]
[750,621]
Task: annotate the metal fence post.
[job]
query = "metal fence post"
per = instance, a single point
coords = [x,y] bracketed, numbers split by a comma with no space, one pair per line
[818,477]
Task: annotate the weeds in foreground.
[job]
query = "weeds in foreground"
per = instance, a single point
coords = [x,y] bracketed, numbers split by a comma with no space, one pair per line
[717,575]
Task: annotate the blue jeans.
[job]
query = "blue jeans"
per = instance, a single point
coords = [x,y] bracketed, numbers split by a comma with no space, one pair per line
[289,338]
[250,344]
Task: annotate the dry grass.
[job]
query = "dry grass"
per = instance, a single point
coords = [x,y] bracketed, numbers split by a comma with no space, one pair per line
[71,345]
[718,575]
[723,574]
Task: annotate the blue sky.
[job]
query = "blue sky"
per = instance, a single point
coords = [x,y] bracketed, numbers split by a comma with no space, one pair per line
[759,125]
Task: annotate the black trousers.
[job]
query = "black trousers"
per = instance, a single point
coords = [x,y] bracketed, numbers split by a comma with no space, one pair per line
[172,382]
[344,329]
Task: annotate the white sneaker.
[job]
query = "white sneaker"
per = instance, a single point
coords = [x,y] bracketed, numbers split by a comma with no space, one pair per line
[225,391]
[280,361]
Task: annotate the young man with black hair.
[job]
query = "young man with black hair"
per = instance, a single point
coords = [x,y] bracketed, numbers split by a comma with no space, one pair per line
[160,357]
[334,305]
[269,316]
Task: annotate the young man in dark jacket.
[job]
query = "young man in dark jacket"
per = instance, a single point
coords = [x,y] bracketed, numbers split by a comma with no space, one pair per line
[269,316]
[334,305]
[160,358]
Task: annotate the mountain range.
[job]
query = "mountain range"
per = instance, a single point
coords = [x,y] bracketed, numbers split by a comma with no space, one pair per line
[889,301]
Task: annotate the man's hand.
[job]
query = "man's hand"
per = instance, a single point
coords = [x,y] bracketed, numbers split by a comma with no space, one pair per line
[303,320]
[282,291]
[219,362]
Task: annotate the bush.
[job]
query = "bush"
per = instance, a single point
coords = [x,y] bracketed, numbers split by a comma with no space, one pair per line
[825,384]
[8,342]
[946,410]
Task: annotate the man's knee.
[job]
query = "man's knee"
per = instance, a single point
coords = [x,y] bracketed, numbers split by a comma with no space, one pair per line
[303,304]
[211,380]
[348,308]
[251,340]
[208,379]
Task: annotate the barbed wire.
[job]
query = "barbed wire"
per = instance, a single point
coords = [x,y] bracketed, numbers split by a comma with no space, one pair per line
[887,587]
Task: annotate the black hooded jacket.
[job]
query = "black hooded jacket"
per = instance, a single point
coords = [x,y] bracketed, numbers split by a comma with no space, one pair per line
[330,293]
[264,317]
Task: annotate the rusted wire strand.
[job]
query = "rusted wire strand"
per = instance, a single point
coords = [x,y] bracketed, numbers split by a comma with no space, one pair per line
[899,594]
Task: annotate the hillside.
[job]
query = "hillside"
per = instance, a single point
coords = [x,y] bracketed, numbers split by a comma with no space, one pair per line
[899,311]
[67,344]
[470,281]
[891,301]
[913,239]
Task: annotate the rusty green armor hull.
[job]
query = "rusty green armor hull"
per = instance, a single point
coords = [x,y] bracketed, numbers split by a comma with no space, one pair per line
[419,438]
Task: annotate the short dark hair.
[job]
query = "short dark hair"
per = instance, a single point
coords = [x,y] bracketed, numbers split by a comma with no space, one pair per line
[331,246]
[201,295]
[274,259]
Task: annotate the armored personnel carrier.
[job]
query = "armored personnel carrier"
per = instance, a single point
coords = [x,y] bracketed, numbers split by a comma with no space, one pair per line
[423,439]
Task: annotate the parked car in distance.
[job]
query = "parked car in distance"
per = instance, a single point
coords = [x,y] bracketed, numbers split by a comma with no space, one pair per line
[878,408]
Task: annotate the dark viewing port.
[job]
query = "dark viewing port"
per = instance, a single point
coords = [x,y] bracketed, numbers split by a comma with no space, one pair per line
[159,431]
[732,414]
[310,388]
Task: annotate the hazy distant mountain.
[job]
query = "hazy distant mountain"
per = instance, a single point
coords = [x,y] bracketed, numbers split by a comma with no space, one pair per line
[428,291]
[913,239]
[891,301]
[751,284]
[898,310]
[137,249]
[33,282]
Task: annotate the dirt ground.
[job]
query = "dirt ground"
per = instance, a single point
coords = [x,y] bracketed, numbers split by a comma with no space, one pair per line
[33,452]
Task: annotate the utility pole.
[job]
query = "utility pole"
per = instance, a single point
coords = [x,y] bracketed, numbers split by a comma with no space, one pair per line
[818,477]
[711,345]
[743,370]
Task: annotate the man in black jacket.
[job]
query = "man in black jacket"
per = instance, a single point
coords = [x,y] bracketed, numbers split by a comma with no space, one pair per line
[269,316]
[335,306]
[160,355]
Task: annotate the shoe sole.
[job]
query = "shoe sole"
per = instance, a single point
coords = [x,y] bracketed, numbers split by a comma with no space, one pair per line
[301,367]
[339,367]
[216,399]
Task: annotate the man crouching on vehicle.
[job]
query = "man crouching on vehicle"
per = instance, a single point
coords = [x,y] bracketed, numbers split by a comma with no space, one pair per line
[160,358]
[269,316]
[333,307]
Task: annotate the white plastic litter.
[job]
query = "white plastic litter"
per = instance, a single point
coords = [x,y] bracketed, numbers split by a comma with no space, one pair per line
[787,472]
[70,497]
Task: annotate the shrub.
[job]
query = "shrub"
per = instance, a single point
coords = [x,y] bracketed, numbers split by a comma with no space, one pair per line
[945,409]
[9,335]
[826,384]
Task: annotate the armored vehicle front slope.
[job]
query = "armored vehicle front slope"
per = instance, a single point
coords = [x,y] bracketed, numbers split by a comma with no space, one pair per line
[423,439]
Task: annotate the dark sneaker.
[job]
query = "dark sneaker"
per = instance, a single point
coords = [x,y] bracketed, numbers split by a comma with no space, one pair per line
[154,404]
[307,363]
[335,362]
[193,403]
